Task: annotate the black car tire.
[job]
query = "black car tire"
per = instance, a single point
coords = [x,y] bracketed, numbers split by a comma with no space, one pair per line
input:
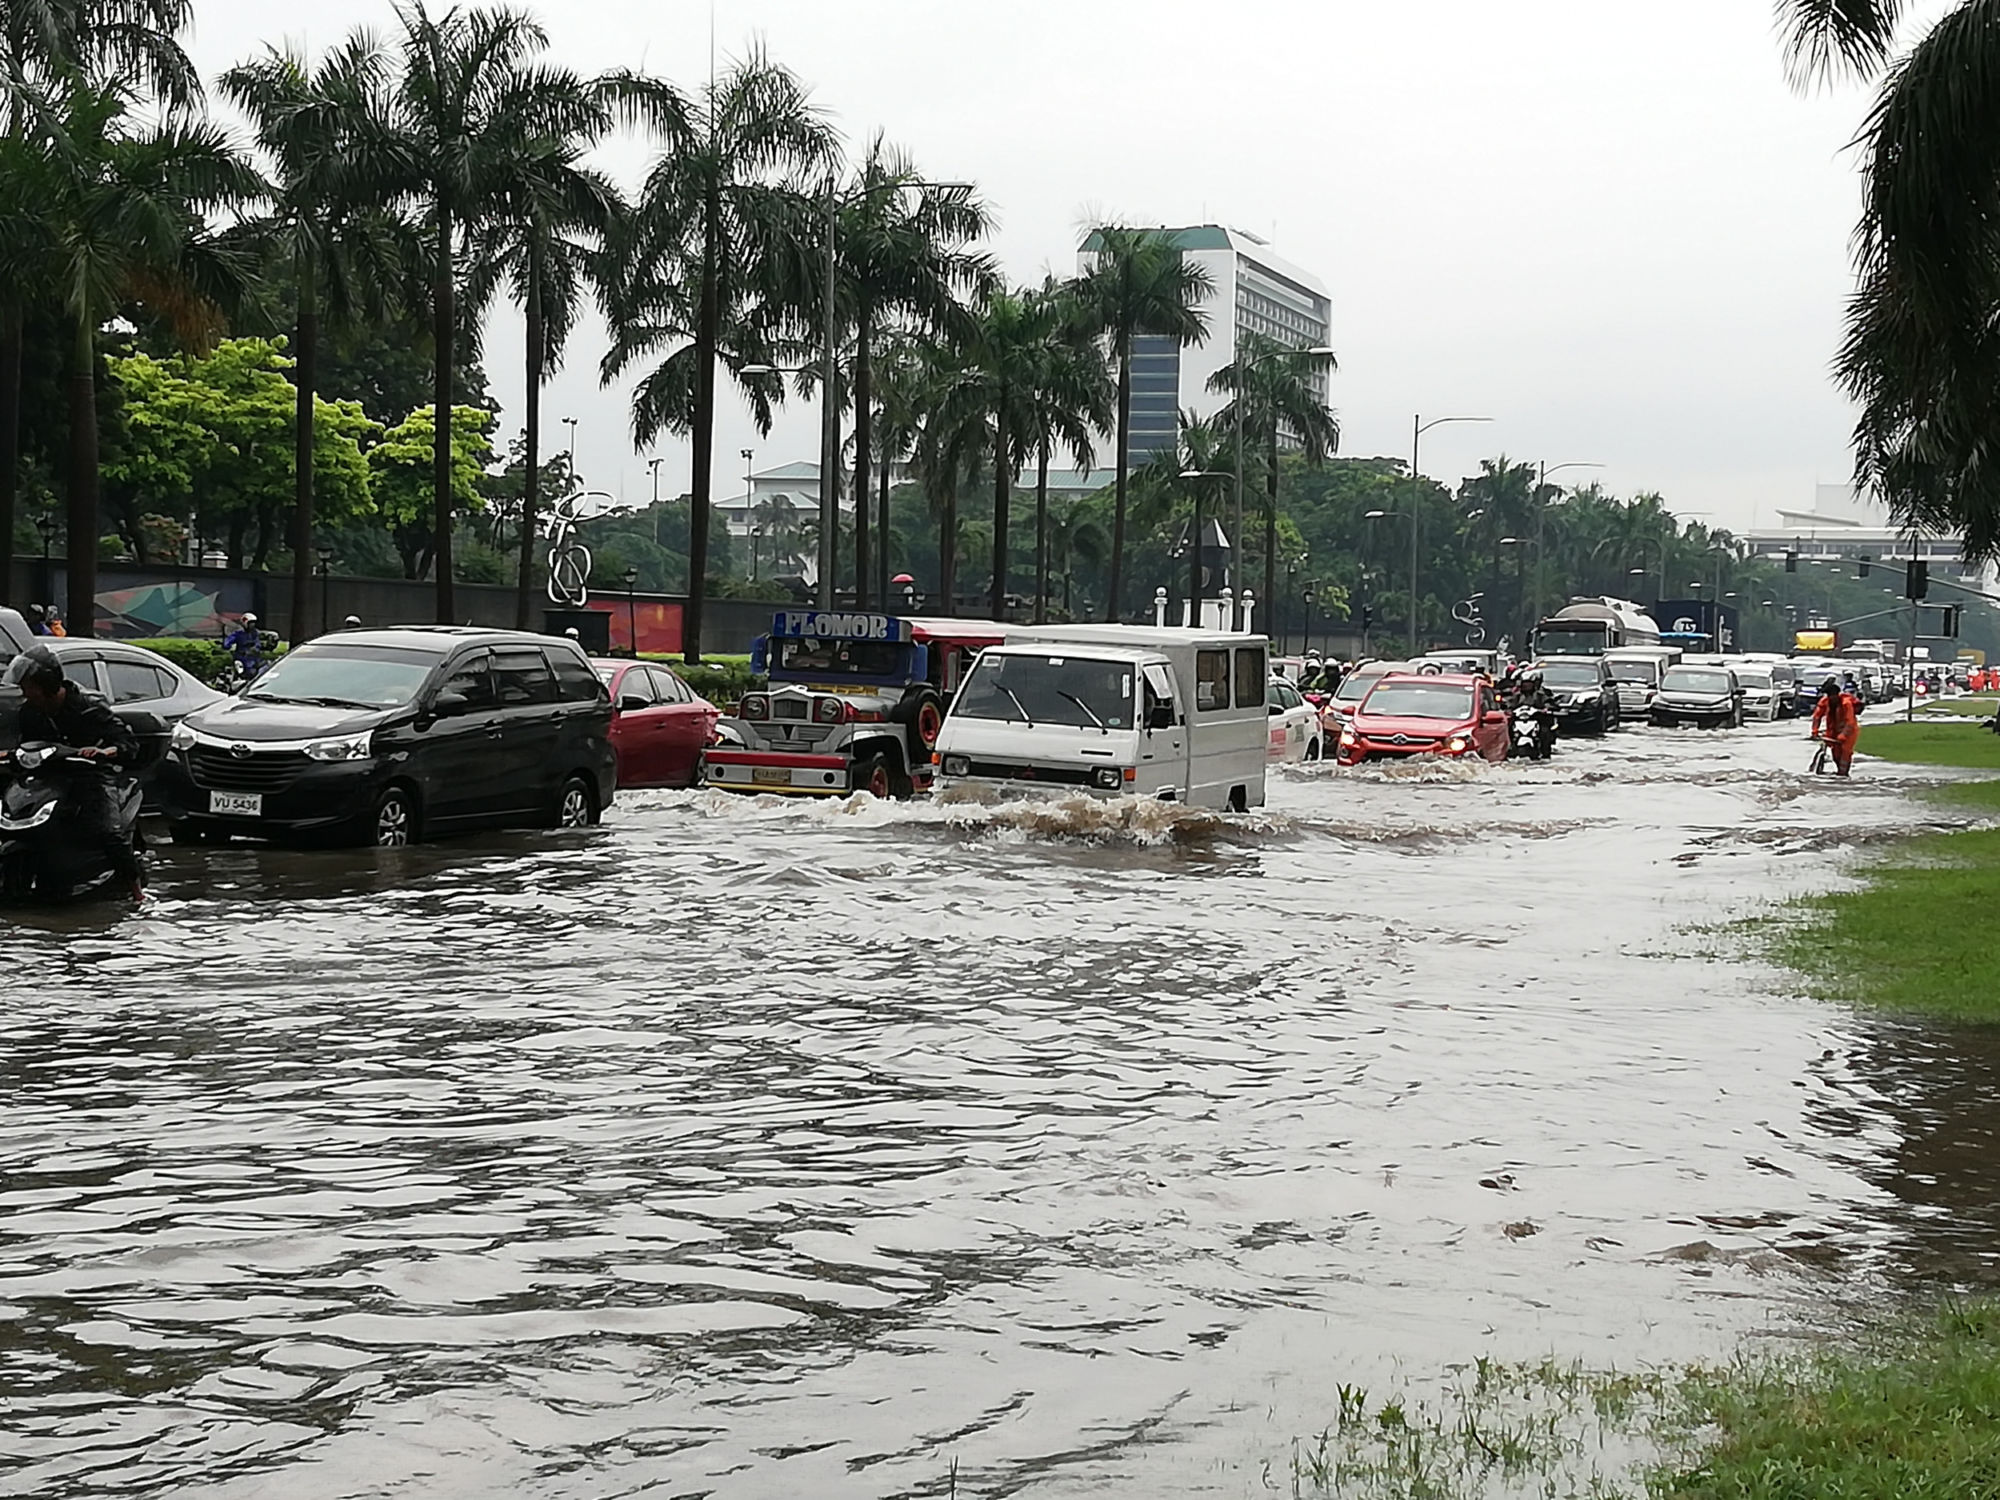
[393,824]
[874,775]
[1313,751]
[1666,721]
[576,803]
[17,878]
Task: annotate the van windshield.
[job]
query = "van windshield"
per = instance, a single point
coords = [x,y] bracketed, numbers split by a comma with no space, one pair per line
[820,660]
[1635,671]
[1078,691]
[1571,674]
[1688,680]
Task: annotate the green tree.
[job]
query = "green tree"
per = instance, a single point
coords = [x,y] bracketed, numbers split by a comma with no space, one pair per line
[467,110]
[402,473]
[1138,284]
[1070,399]
[544,237]
[1280,401]
[322,132]
[697,278]
[46,47]
[110,213]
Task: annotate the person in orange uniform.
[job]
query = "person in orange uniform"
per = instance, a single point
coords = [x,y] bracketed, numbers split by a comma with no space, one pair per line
[1837,720]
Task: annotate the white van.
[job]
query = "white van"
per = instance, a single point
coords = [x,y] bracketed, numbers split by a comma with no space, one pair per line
[1117,710]
[1637,671]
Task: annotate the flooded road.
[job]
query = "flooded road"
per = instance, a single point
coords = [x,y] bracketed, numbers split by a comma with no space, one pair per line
[764,1149]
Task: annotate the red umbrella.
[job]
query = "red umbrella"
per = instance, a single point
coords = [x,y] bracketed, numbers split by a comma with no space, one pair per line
[902,578]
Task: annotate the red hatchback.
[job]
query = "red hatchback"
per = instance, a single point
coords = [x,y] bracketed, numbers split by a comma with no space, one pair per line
[659,725]
[1439,713]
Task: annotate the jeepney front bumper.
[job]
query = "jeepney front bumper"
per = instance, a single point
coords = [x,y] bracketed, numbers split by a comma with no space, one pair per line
[731,768]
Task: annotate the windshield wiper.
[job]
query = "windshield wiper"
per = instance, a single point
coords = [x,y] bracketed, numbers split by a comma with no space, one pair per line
[1087,709]
[1018,704]
[315,702]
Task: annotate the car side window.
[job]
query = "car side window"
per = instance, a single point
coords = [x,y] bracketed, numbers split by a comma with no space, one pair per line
[1211,680]
[471,679]
[1251,675]
[575,680]
[521,678]
[1159,692]
[637,683]
[135,682]
[670,688]
[89,671]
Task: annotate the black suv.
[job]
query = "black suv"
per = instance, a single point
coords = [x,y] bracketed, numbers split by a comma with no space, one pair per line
[1584,691]
[382,736]
[15,637]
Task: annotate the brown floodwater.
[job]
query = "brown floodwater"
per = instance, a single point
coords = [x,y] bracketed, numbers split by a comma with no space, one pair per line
[747,1148]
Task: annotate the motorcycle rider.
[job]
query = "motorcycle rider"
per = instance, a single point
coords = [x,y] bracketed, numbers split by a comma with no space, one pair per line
[245,643]
[58,711]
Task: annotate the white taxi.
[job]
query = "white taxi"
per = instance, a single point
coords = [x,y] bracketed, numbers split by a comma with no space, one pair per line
[1295,724]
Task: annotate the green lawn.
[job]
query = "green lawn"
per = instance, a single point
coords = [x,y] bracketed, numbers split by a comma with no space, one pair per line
[1910,1413]
[1931,742]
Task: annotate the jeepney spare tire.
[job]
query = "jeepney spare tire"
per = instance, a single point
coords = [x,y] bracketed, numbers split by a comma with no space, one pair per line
[924,716]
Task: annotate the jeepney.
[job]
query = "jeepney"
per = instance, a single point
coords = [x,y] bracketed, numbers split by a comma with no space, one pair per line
[855,702]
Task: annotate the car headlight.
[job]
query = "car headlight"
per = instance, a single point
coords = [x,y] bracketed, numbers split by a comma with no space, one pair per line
[956,765]
[1108,777]
[1458,744]
[182,737]
[342,747]
[1348,737]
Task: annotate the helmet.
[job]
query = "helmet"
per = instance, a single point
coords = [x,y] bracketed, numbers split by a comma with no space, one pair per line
[1531,677]
[573,633]
[249,619]
[38,665]
[352,622]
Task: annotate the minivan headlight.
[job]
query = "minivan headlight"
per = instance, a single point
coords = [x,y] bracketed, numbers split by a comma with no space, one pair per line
[956,765]
[342,747]
[182,737]
[1108,777]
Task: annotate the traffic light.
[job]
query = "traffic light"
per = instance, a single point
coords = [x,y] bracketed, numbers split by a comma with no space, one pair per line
[1917,579]
[1367,617]
[1791,562]
[1948,619]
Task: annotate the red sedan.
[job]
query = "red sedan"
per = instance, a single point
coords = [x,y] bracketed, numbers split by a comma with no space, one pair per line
[1442,713]
[659,725]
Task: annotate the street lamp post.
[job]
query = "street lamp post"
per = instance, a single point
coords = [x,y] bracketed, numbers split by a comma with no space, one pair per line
[570,423]
[1194,543]
[631,614]
[1306,635]
[1243,370]
[1547,469]
[1418,427]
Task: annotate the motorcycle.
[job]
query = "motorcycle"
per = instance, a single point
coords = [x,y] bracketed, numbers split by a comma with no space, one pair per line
[41,857]
[1534,732]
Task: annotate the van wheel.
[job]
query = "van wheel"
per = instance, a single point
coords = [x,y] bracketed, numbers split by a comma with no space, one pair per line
[394,823]
[576,804]
[1312,750]
[872,775]
[1239,800]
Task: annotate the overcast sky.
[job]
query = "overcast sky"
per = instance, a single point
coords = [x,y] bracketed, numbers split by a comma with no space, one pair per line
[1611,226]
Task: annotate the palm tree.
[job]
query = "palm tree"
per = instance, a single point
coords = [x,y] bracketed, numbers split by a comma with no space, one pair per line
[1280,400]
[108,214]
[45,47]
[1072,397]
[545,235]
[901,260]
[1139,284]
[322,132]
[695,264]
[470,105]
[1505,490]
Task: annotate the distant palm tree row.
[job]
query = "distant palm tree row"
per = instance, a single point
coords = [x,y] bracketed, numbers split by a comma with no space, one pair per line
[427,174]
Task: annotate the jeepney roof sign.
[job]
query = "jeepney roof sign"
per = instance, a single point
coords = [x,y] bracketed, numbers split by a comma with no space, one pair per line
[837,625]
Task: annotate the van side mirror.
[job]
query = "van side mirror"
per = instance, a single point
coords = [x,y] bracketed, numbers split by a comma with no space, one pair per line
[1161,716]
[1276,709]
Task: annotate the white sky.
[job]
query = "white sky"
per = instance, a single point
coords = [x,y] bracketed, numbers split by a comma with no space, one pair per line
[1609,224]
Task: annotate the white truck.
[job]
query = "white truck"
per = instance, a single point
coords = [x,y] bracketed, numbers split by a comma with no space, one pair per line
[1176,714]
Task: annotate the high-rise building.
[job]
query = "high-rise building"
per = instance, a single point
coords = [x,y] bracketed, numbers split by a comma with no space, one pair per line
[1251,291]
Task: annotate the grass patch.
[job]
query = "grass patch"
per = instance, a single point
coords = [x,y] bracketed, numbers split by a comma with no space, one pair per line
[1908,1410]
[1932,743]
[1982,708]
[1913,1413]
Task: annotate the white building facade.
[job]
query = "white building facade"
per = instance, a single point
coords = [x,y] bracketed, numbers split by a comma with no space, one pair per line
[1845,526]
[1252,292]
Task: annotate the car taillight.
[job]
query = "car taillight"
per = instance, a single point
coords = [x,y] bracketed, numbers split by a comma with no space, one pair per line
[829,710]
[755,706]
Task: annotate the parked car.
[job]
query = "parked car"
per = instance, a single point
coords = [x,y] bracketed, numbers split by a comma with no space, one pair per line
[144,689]
[1699,695]
[15,637]
[659,725]
[1432,713]
[1585,693]
[386,736]
[1295,726]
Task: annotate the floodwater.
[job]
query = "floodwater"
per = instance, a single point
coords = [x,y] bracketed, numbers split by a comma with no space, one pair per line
[747,1148]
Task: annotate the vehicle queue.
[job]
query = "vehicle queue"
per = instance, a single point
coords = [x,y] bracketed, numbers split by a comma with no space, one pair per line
[391,735]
